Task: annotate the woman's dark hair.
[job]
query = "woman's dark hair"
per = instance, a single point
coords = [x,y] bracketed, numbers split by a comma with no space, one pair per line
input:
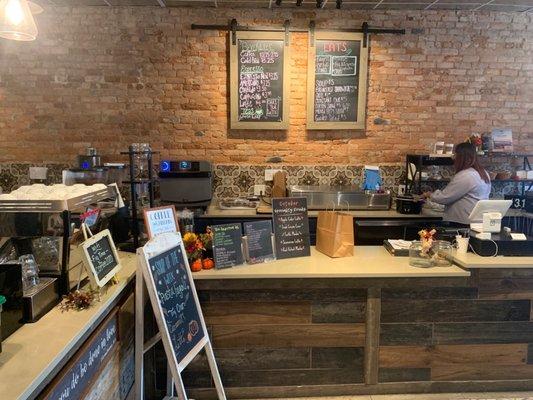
[466,157]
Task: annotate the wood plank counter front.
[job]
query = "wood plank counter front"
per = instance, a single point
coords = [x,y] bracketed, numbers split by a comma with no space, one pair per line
[367,324]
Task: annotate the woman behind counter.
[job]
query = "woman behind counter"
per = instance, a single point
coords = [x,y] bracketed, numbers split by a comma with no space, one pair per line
[470,184]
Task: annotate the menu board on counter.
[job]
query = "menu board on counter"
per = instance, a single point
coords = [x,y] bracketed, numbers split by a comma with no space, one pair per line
[259,81]
[291,227]
[169,286]
[337,81]
[258,241]
[101,257]
[227,245]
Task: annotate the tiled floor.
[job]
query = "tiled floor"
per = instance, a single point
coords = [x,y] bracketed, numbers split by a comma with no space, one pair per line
[442,396]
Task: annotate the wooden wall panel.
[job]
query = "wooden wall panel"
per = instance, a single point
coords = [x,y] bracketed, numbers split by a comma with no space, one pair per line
[428,356]
[506,288]
[256,313]
[406,334]
[314,335]
[455,310]
[268,295]
[485,372]
[404,374]
[339,312]
[430,293]
[337,357]
[479,332]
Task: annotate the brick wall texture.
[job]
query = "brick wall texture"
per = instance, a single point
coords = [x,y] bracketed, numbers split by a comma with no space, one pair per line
[107,77]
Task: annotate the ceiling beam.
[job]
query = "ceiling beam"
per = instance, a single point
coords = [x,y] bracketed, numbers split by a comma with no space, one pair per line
[377,5]
[108,3]
[161,3]
[432,4]
[270,4]
[483,5]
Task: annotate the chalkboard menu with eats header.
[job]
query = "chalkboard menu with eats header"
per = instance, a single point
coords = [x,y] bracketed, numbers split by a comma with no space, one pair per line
[227,245]
[258,70]
[291,227]
[101,258]
[259,241]
[170,285]
[336,92]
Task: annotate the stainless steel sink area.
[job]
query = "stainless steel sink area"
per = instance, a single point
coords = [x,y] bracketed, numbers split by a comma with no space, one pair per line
[341,197]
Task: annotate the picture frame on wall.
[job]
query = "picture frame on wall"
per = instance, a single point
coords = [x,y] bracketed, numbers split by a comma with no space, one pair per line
[337,81]
[259,81]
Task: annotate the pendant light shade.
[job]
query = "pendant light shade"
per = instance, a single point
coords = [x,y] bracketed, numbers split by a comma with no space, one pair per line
[16,20]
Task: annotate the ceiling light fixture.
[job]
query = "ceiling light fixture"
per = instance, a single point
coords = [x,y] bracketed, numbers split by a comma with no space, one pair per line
[16,20]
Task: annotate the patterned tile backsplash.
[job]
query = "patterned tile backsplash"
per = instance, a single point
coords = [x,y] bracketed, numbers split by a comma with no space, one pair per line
[239,180]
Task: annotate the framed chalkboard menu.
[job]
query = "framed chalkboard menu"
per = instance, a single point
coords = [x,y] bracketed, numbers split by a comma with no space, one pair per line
[101,258]
[337,81]
[291,227]
[259,79]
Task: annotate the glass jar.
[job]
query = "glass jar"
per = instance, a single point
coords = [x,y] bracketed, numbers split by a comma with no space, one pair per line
[30,272]
[441,253]
[419,256]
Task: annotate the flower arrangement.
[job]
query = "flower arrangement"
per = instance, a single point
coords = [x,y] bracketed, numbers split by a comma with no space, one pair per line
[426,238]
[197,247]
[475,139]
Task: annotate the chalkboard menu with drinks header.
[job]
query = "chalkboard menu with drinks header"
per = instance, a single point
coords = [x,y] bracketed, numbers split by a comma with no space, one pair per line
[337,81]
[259,81]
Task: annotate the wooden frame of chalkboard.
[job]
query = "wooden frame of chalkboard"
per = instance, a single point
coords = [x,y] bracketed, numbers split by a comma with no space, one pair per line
[95,276]
[340,45]
[269,114]
[163,265]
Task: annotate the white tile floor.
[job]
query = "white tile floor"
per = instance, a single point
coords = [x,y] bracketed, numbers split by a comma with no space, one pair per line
[440,396]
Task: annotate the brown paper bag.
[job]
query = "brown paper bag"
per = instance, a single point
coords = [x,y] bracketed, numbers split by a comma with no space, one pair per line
[334,233]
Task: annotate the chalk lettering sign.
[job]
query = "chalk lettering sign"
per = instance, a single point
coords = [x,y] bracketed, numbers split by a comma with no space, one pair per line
[260,80]
[258,74]
[259,241]
[181,318]
[291,227]
[160,220]
[77,376]
[227,245]
[101,258]
[337,89]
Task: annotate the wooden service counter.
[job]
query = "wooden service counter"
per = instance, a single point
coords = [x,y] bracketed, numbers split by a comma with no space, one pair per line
[75,354]
[367,324]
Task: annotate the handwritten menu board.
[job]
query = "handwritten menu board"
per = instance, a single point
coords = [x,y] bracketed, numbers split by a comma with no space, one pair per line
[102,256]
[227,245]
[259,241]
[338,92]
[291,227]
[181,317]
[72,383]
[258,81]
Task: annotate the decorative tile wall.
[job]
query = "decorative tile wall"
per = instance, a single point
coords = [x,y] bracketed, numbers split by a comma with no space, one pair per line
[239,180]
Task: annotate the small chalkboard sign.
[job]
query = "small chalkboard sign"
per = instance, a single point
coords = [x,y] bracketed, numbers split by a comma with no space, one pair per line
[336,92]
[101,258]
[164,267]
[258,241]
[291,227]
[259,81]
[227,245]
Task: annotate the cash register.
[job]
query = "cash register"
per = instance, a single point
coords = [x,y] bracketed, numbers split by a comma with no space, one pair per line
[490,237]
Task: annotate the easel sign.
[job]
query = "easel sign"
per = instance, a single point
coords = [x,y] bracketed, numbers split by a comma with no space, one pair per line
[100,257]
[163,266]
[160,220]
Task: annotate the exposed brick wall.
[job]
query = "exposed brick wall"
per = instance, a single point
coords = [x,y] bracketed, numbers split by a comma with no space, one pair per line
[107,77]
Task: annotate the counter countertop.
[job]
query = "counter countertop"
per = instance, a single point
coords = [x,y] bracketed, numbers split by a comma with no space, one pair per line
[473,261]
[215,212]
[31,354]
[367,262]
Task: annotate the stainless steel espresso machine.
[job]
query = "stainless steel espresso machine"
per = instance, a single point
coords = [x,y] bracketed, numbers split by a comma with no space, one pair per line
[186,184]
